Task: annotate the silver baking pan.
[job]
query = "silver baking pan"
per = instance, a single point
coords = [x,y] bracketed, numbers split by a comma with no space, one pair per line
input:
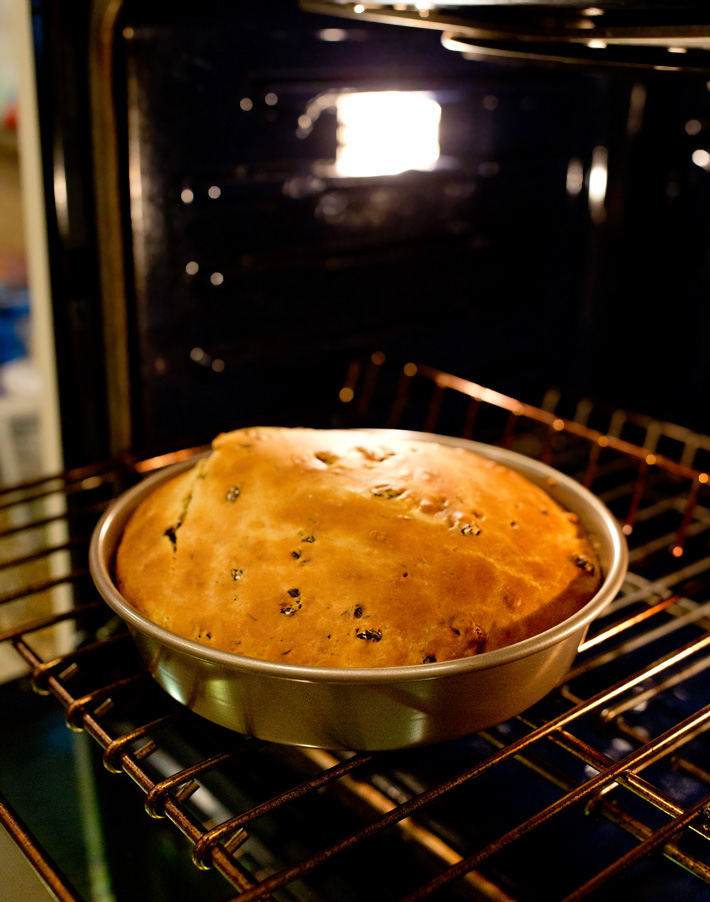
[374,708]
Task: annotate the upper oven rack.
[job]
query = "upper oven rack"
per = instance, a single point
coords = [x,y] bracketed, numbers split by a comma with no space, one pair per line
[616,752]
[621,36]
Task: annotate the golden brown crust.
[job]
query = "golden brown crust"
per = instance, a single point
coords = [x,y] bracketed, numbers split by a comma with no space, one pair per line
[339,548]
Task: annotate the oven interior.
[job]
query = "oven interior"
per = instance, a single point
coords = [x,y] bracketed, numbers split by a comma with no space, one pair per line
[226,234]
[216,263]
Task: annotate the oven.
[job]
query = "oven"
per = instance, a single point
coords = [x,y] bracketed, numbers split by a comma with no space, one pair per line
[465,220]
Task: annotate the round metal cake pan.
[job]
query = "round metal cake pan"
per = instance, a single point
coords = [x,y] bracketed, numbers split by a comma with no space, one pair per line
[373,708]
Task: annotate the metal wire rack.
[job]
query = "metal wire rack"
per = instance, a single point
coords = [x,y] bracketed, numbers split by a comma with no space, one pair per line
[600,790]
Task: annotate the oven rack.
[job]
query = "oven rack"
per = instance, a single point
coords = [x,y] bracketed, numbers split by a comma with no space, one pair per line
[600,790]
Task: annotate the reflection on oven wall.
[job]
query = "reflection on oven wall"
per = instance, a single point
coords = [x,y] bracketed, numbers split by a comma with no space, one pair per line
[297,189]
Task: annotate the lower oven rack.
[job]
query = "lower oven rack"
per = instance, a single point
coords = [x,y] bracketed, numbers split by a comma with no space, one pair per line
[600,790]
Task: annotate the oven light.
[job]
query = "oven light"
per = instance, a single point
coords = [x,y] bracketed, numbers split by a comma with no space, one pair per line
[597,184]
[575,177]
[60,197]
[333,34]
[386,132]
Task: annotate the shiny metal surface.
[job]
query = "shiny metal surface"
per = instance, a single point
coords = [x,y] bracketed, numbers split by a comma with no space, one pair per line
[622,35]
[367,709]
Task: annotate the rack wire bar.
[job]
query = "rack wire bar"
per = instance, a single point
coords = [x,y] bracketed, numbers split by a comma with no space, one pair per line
[411,829]
[47,870]
[644,848]
[611,810]
[651,644]
[155,799]
[636,760]
[519,409]
[660,746]
[121,760]
[335,771]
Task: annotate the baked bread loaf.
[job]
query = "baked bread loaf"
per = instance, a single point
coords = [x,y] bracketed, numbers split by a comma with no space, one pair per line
[347,549]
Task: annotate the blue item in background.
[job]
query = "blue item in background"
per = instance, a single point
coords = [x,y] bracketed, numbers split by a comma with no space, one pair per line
[14,320]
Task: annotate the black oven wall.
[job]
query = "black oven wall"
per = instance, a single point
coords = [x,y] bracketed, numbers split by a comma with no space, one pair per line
[556,235]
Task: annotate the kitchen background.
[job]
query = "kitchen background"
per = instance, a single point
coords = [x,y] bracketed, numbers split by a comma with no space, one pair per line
[29,439]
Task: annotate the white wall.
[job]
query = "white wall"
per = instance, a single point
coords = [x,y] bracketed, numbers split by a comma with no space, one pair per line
[16,51]
[17,75]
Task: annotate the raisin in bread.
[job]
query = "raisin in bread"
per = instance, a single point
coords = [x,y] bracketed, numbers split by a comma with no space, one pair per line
[344,548]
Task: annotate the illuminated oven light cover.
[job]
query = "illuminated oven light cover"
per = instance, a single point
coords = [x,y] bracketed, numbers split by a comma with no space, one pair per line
[386,132]
[598,177]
